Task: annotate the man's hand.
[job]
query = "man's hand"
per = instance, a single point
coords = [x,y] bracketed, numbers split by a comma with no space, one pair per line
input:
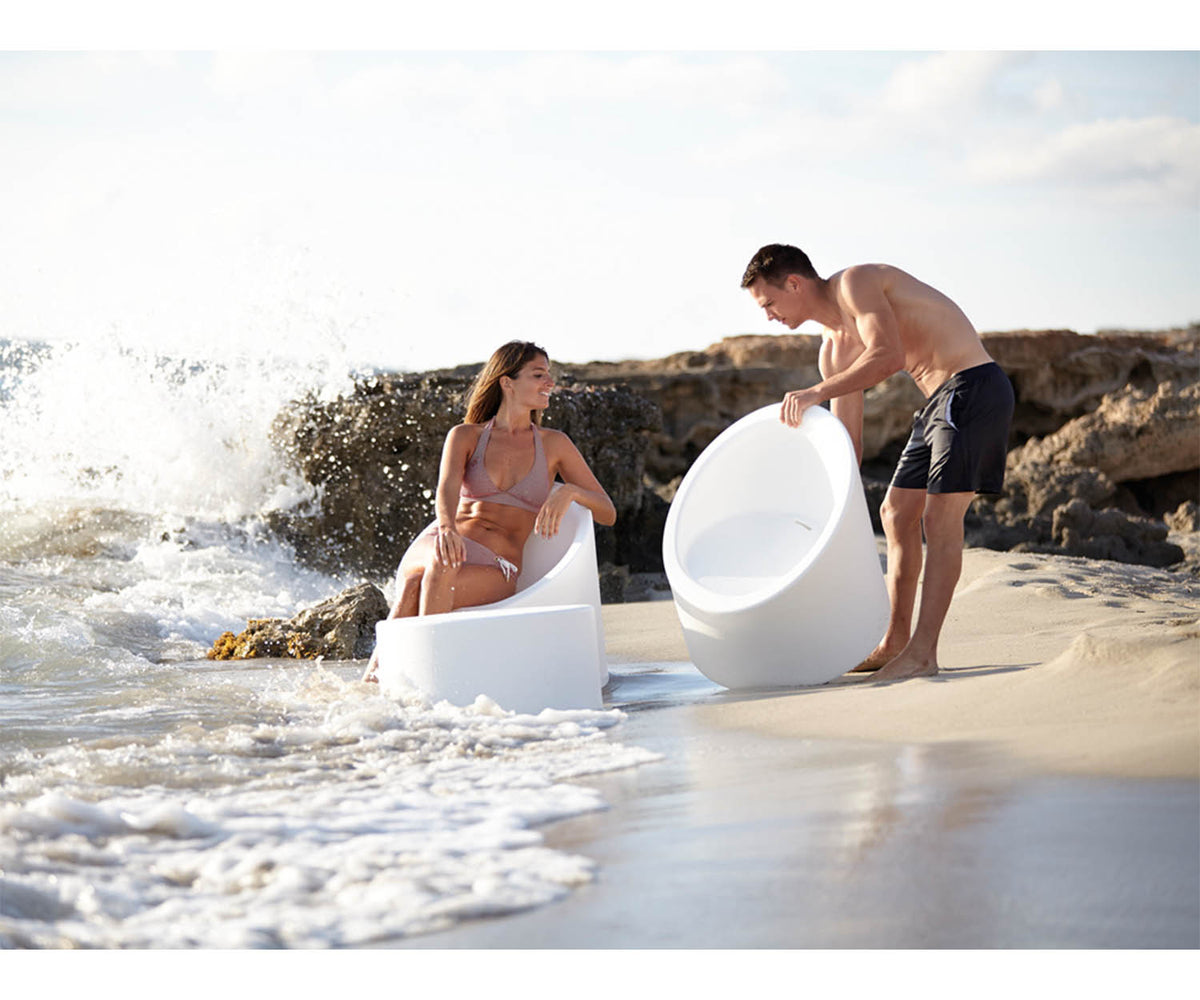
[791,412]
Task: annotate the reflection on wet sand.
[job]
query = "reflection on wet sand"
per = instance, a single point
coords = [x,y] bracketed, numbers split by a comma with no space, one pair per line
[738,840]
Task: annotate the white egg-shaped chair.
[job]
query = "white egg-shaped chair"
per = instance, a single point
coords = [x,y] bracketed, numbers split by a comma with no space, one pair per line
[771,557]
[506,650]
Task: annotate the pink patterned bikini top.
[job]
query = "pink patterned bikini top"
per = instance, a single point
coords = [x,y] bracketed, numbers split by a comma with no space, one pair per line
[528,494]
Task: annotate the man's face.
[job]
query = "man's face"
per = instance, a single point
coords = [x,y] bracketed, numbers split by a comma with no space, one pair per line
[783,303]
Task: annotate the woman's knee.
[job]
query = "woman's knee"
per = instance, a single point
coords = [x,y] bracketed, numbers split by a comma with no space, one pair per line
[435,573]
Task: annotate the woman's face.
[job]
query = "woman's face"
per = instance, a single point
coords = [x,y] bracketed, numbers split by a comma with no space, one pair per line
[533,384]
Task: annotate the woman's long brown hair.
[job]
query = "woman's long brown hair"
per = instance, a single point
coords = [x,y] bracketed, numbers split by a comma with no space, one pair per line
[486,394]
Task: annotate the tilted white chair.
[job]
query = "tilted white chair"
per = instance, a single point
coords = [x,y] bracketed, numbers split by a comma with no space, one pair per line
[770,554]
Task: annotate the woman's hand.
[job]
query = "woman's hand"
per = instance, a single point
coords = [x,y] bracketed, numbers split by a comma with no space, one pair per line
[550,517]
[451,550]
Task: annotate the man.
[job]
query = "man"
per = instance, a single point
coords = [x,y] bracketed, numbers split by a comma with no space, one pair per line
[880,320]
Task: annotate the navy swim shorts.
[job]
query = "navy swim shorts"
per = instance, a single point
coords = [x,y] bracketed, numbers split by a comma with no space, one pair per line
[959,440]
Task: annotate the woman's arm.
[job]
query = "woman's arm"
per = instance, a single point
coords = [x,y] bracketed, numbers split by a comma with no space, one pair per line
[455,454]
[579,485]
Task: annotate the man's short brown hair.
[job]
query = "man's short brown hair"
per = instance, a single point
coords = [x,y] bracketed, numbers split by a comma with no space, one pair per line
[773,263]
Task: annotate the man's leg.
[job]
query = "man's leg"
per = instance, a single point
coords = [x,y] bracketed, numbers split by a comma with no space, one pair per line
[901,515]
[944,513]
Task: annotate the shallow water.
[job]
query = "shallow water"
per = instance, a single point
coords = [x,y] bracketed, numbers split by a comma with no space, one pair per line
[152,798]
[282,805]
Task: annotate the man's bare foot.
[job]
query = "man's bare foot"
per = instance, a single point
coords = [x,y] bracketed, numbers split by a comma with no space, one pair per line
[880,656]
[369,677]
[908,665]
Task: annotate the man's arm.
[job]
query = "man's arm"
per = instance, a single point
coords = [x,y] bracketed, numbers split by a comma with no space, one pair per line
[849,408]
[882,355]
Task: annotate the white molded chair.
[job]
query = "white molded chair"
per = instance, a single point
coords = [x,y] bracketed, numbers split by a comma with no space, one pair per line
[771,557]
[524,659]
[556,573]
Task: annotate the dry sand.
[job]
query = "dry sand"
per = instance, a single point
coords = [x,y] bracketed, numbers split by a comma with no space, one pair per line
[1040,793]
[1075,665]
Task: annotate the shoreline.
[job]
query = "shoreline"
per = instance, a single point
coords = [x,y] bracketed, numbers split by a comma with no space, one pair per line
[1040,793]
[1057,650]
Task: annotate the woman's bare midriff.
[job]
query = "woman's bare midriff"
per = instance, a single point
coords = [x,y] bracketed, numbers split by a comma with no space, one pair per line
[502,528]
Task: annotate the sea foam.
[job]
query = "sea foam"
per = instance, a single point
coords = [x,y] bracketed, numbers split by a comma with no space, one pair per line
[334,817]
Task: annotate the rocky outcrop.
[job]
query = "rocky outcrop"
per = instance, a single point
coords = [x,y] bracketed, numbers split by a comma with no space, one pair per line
[1185,517]
[1057,375]
[341,628]
[1068,492]
[373,458]
[1135,433]
[1066,510]
[1104,444]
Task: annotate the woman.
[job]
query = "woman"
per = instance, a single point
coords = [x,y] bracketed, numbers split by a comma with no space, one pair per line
[494,489]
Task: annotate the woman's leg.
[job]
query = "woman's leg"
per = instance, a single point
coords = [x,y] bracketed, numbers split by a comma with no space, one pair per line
[445,588]
[408,577]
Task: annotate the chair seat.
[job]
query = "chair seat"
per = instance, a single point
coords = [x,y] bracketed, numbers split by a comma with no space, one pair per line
[524,659]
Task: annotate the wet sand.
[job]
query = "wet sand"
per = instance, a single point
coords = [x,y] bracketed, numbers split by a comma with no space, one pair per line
[1042,792]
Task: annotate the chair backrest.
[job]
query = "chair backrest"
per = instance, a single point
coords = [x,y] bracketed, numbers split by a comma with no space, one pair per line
[542,554]
[562,571]
[774,568]
[760,501]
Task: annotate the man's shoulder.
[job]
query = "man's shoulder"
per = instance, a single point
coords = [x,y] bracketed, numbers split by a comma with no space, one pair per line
[861,274]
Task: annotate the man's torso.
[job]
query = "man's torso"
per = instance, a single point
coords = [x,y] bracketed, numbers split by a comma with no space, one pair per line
[937,338]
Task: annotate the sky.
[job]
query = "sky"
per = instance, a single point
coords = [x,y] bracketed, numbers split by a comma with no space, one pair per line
[410,204]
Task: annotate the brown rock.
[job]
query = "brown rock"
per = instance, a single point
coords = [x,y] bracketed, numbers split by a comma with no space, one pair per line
[1135,433]
[1185,518]
[341,628]
[1059,374]
[373,458]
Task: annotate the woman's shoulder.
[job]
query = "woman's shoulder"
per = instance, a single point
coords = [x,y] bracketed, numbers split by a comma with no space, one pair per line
[558,446]
[554,439]
[465,434]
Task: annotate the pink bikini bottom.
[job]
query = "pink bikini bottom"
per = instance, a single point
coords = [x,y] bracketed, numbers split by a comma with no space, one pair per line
[477,553]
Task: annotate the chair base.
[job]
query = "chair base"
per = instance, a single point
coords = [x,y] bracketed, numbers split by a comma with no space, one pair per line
[524,659]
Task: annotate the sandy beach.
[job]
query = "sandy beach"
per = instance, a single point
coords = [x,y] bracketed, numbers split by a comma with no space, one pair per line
[1041,792]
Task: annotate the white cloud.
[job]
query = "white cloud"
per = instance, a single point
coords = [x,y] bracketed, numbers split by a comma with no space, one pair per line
[50,83]
[736,83]
[946,82]
[1153,159]
[1049,95]
[262,74]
